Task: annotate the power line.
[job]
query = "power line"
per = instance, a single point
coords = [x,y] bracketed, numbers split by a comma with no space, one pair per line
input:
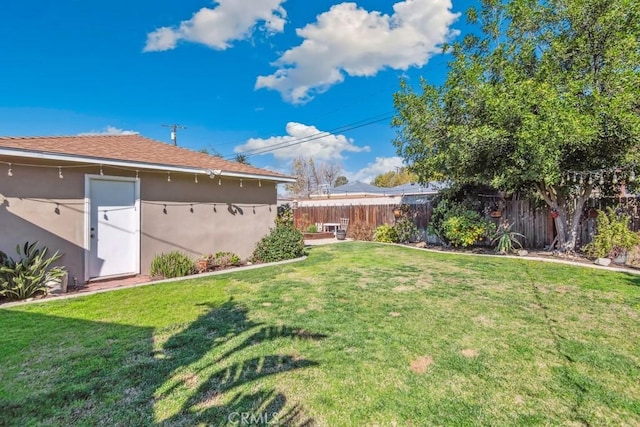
[290,143]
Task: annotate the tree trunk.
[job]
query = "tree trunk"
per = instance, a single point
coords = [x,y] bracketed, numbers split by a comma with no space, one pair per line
[567,231]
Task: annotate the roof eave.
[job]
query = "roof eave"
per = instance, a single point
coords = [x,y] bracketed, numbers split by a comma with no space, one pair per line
[17,152]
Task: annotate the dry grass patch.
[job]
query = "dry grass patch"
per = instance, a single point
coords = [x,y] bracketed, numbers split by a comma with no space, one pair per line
[421,364]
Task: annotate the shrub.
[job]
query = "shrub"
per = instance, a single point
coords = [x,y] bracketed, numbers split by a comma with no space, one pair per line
[172,264]
[406,230]
[505,238]
[282,242]
[385,233]
[312,229]
[613,237]
[466,227]
[226,259]
[361,231]
[29,275]
[285,215]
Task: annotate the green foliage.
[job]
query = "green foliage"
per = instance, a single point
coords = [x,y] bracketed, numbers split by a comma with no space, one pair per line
[613,237]
[341,180]
[172,264]
[361,231]
[285,215]
[505,239]
[394,178]
[465,227]
[226,259]
[312,228]
[29,275]
[535,89]
[385,233]
[406,230]
[282,242]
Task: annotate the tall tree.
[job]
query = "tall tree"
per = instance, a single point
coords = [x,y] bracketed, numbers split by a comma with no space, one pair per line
[394,178]
[543,97]
[311,176]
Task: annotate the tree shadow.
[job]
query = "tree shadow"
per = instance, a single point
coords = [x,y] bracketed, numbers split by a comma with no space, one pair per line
[99,373]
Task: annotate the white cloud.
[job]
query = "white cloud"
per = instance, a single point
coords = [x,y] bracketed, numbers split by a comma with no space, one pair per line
[353,41]
[109,130]
[303,140]
[380,166]
[230,20]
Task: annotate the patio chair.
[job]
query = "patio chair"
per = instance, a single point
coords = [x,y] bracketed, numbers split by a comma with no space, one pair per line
[344,223]
[319,226]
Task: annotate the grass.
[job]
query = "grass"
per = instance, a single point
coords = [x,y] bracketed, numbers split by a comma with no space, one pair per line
[358,334]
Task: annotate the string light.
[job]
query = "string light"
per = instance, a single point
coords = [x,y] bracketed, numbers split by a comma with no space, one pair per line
[562,180]
[581,180]
[168,176]
[101,171]
[632,176]
[60,172]
[10,171]
[259,183]
[615,178]
[219,181]
[601,182]
[240,183]
[195,177]
[590,182]
[137,177]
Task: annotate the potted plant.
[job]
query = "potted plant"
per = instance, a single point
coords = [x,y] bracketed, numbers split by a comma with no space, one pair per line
[341,234]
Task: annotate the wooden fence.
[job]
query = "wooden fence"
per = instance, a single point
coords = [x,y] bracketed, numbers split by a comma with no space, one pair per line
[528,218]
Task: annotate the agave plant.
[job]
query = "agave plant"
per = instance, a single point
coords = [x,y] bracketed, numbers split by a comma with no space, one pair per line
[505,239]
[29,275]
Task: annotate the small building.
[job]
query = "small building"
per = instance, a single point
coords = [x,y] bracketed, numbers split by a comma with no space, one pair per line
[110,204]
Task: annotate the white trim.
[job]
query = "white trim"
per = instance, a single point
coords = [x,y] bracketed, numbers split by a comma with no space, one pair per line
[87,217]
[15,152]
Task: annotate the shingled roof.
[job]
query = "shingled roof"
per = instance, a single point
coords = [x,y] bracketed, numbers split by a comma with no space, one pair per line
[135,149]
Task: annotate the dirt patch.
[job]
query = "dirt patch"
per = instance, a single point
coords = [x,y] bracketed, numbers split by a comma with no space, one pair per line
[483,321]
[266,304]
[394,314]
[190,380]
[420,365]
[519,400]
[469,352]
[403,288]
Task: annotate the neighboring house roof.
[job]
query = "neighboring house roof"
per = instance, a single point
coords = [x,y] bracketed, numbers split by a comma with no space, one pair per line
[356,187]
[129,150]
[415,188]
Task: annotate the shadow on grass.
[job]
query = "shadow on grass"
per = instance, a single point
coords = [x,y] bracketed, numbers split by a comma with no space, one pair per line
[64,371]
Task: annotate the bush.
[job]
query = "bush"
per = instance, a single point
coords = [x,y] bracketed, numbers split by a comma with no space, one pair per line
[613,237]
[385,233]
[466,227]
[282,242]
[361,231]
[312,228]
[285,216]
[29,275]
[172,264]
[406,230]
[226,259]
[505,239]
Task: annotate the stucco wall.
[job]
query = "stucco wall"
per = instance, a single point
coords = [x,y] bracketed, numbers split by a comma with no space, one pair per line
[199,218]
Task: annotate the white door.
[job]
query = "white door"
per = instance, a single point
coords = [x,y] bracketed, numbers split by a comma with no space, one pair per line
[114,221]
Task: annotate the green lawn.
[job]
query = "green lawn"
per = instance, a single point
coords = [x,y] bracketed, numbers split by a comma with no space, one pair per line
[358,334]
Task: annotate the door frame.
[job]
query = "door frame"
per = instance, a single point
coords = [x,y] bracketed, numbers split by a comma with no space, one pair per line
[87,217]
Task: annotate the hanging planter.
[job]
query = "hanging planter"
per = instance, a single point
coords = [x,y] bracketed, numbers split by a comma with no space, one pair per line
[397,212]
[554,213]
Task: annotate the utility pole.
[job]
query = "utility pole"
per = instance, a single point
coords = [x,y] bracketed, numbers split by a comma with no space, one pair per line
[174,132]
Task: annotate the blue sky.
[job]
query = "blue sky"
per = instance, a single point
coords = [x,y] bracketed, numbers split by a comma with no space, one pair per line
[240,74]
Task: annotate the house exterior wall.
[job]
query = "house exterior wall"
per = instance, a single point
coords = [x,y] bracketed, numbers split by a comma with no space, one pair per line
[35,204]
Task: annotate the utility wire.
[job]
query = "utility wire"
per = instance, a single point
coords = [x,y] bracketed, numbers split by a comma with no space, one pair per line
[296,141]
